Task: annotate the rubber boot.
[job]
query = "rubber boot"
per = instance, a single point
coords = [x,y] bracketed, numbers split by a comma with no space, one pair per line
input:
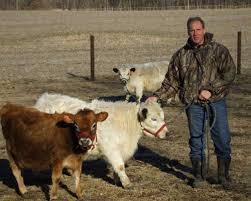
[198,167]
[223,173]
[204,169]
[227,166]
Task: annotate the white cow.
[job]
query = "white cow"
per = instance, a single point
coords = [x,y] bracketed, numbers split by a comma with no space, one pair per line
[140,78]
[118,136]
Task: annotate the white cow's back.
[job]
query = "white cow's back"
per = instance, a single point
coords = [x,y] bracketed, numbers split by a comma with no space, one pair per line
[52,103]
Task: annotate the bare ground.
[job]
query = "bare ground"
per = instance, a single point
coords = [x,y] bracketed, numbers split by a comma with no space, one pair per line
[49,51]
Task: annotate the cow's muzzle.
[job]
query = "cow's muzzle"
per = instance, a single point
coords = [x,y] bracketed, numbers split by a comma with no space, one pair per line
[84,142]
[124,81]
[156,133]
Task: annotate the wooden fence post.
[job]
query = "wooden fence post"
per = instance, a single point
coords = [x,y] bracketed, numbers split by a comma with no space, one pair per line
[92,57]
[239,53]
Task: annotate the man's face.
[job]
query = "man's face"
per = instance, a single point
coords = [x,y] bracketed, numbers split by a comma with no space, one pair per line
[196,32]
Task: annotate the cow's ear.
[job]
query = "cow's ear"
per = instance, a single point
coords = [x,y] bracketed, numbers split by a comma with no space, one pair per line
[67,119]
[115,70]
[143,114]
[102,116]
[132,69]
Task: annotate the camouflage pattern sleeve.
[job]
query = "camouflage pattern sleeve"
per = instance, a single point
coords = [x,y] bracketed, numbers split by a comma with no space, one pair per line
[226,70]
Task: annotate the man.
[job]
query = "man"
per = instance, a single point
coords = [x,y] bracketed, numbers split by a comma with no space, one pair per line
[202,72]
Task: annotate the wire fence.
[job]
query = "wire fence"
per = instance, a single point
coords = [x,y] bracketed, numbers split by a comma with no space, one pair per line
[120,5]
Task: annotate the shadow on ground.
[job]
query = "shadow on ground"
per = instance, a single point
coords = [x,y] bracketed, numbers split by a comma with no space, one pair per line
[99,168]
[170,166]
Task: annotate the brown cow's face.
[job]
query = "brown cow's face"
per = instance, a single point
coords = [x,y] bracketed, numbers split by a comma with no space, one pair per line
[85,126]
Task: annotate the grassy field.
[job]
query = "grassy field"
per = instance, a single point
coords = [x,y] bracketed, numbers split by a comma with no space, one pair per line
[49,51]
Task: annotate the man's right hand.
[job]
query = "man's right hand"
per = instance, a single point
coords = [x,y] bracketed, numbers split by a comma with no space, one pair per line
[205,95]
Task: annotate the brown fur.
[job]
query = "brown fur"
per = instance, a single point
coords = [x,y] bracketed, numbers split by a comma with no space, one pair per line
[41,141]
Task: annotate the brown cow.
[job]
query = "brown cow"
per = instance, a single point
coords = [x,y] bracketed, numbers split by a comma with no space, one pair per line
[42,141]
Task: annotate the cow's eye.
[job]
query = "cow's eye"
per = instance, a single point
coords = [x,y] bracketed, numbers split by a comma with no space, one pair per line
[76,128]
[153,119]
[94,126]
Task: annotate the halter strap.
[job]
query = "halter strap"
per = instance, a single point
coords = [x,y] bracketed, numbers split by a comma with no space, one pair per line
[155,134]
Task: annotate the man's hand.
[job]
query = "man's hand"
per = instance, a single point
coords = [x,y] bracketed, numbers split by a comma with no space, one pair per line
[152,99]
[205,95]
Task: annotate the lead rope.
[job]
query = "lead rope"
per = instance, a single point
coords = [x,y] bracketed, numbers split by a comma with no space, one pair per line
[208,128]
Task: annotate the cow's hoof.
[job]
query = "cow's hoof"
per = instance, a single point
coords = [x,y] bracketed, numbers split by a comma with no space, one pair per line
[79,195]
[27,195]
[53,198]
[128,185]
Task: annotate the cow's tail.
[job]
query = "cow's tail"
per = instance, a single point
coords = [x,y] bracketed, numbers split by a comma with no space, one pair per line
[4,109]
[1,111]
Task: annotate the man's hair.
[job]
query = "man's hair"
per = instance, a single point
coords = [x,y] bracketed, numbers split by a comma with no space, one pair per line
[193,19]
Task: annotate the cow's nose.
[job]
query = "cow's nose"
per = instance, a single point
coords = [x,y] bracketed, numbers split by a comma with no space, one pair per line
[123,81]
[84,142]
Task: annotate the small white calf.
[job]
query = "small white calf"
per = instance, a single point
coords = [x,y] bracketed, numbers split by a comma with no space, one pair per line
[118,136]
[140,78]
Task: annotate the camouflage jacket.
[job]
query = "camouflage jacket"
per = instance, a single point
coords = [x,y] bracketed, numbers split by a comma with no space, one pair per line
[192,69]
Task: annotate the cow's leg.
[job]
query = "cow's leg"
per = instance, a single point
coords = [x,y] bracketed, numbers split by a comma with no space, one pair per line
[116,178]
[17,173]
[56,174]
[119,169]
[77,174]
[139,93]
[127,97]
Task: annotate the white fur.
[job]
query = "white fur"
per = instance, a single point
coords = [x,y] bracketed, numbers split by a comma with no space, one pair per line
[147,77]
[118,136]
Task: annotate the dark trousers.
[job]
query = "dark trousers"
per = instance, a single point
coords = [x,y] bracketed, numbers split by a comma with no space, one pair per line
[197,116]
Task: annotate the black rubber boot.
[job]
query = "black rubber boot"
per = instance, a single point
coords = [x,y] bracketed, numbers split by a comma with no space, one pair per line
[223,173]
[227,166]
[203,169]
[198,172]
